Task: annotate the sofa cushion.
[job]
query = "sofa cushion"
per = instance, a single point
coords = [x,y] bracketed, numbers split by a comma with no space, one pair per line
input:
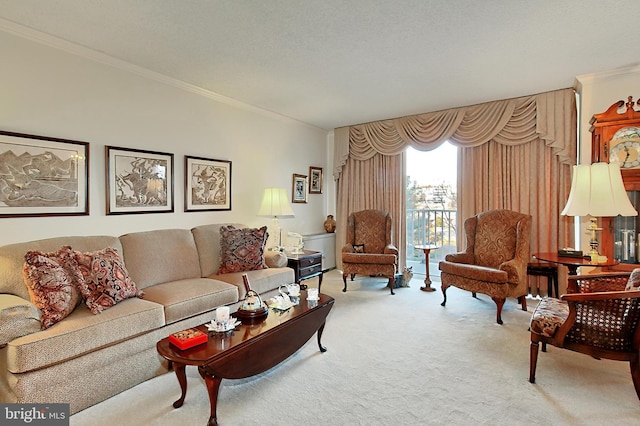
[261,281]
[53,282]
[105,280]
[242,249]
[160,256]
[18,318]
[12,257]
[82,332]
[186,298]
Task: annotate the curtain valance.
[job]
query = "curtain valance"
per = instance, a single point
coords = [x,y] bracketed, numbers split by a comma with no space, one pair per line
[509,122]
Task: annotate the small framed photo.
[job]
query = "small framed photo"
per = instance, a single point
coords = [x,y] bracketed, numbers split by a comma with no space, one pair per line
[207,184]
[139,181]
[299,194]
[315,180]
[43,176]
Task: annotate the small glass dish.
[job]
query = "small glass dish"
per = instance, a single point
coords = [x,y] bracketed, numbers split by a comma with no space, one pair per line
[223,326]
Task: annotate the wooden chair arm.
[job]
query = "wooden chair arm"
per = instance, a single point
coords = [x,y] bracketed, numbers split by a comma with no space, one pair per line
[603,295]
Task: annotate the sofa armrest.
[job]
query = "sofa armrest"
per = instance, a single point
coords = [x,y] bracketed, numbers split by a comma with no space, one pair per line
[18,317]
[275,259]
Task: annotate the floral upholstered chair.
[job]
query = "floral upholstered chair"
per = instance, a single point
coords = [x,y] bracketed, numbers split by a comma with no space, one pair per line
[368,249]
[599,317]
[496,258]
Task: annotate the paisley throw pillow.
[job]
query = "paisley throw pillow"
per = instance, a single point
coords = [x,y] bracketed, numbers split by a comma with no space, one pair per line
[242,249]
[106,280]
[53,283]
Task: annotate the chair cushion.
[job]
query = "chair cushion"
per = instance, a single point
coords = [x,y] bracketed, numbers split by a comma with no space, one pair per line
[369,258]
[475,272]
[548,316]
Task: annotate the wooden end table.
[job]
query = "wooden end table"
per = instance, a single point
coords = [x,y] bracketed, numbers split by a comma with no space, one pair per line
[573,263]
[306,265]
[250,349]
[426,248]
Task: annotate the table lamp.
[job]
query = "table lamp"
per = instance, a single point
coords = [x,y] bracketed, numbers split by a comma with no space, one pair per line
[597,190]
[276,205]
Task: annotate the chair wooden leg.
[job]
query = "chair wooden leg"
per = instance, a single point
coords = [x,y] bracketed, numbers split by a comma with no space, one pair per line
[444,293]
[392,281]
[634,366]
[523,301]
[499,304]
[533,361]
[473,294]
[344,279]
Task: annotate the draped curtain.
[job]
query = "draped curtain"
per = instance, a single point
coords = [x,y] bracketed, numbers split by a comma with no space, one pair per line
[515,153]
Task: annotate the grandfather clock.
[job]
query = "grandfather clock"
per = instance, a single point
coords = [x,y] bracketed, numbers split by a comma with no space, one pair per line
[616,137]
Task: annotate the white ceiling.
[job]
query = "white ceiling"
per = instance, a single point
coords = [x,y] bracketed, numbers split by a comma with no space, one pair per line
[332,63]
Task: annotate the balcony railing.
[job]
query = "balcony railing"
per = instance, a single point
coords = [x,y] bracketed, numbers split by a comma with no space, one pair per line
[430,227]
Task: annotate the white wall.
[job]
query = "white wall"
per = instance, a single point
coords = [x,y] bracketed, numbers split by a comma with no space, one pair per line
[51,92]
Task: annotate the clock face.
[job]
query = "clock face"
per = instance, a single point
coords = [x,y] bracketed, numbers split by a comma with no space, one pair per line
[625,147]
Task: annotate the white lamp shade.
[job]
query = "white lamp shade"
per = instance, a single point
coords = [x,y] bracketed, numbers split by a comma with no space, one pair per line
[597,190]
[275,203]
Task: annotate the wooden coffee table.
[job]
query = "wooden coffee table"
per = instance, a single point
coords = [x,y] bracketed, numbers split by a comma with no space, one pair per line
[250,349]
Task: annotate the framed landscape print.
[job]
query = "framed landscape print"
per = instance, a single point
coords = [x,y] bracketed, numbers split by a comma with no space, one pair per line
[139,181]
[315,180]
[42,176]
[207,184]
[299,194]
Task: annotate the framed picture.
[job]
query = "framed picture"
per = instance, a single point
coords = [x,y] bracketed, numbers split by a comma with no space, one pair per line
[207,184]
[42,176]
[299,191]
[315,180]
[139,181]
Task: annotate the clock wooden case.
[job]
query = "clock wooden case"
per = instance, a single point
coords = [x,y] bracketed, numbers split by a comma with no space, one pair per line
[616,137]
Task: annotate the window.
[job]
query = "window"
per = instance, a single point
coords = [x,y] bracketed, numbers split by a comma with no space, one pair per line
[431,206]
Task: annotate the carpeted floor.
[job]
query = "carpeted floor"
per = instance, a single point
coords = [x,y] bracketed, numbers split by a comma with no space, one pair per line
[395,360]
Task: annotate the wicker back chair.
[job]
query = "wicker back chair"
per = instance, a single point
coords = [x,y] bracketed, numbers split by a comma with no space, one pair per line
[597,317]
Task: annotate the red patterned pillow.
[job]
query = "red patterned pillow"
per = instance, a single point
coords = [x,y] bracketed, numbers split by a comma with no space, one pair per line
[242,249]
[52,280]
[105,281]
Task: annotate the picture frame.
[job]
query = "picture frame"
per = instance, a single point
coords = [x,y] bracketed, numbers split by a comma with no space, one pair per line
[315,180]
[207,184]
[138,181]
[299,189]
[43,176]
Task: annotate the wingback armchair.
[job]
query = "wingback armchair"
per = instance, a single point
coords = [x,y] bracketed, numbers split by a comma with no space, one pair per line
[598,317]
[368,249]
[495,260]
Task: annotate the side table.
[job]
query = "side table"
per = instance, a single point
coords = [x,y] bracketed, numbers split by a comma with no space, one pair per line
[306,265]
[426,248]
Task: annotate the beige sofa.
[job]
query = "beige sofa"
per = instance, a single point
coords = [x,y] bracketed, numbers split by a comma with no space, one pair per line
[87,358]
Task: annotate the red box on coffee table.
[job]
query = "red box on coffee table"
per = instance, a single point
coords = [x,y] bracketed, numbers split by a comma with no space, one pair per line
[188,338]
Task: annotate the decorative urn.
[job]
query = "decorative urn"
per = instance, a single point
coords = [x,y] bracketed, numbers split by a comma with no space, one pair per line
[330,224]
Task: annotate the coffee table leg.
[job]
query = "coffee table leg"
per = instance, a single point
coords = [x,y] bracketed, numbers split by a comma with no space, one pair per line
[320,330]
[182,379]
[213,386]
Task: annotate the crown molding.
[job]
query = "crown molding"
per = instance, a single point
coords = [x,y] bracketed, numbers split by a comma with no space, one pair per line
[90,54]
[617,72]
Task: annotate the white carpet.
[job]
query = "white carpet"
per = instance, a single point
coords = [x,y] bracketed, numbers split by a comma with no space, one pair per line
[400,359]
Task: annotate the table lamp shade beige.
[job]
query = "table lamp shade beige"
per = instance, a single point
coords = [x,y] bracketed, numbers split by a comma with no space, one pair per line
[597,190]
[275,204]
